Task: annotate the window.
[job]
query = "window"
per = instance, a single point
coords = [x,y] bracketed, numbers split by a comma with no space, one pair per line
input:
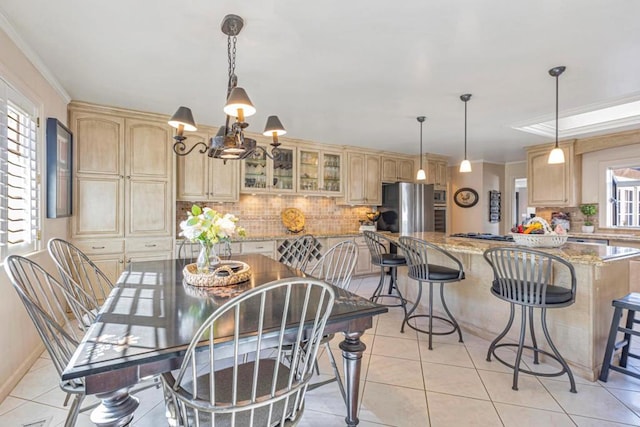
[19,188]
[625,200]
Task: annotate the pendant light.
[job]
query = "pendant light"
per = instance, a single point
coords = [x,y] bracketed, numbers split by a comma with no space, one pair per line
[465,166]
[557,155]
[421,176]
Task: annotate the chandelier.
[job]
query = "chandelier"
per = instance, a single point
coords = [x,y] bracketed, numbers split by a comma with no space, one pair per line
[230,143]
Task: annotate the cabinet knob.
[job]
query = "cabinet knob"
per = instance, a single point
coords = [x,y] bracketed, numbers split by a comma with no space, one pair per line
[153,245]
[120,261]
[128,176]
[121,176]
[129,261]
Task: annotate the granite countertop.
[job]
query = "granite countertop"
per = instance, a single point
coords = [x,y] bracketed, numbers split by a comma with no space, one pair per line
[260,237]
[573,252]
[608,236]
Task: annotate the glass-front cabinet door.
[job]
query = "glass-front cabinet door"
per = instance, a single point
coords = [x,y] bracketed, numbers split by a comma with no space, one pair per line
[261,174]
[319,172]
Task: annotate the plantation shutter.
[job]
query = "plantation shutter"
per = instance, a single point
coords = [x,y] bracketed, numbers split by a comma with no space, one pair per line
[19,198]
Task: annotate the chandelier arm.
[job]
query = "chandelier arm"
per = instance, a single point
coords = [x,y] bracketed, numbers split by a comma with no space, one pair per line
[180,148]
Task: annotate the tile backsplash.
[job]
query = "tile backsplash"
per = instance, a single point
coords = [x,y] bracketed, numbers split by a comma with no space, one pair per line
[260,215]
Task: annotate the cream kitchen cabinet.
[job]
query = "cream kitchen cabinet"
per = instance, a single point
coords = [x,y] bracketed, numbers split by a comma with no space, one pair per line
[264,247]
[436,172]
[364,181]
[202,178]
[319,172]
[363,264]
[261,174]
[397,169]
[123,185]
[553,185]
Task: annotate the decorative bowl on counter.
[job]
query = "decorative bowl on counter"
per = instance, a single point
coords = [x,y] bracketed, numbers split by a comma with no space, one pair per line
[373,216]
[540,240]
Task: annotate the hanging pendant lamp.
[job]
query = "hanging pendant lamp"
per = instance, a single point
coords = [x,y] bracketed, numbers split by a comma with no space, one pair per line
[465,166]
[421,176]
[557,154]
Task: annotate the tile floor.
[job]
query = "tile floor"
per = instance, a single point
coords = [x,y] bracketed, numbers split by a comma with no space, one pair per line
[403,384]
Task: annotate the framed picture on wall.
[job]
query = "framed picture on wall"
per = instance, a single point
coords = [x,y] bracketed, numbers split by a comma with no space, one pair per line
[59,167]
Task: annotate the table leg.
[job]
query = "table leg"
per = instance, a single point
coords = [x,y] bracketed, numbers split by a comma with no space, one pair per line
[116,409]
[352,349]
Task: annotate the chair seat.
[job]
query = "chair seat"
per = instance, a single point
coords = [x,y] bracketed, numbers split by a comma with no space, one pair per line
[389,260]
[224,381]
[554,295]
[437,273]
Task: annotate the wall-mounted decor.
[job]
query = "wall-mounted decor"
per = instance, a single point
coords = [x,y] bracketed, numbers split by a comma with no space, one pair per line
[466,197]
[494,206]
[59,156]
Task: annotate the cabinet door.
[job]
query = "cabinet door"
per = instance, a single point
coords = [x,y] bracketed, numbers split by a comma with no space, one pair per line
[332,173]
[373,181]
[363,264]
[111,265]
[255,171]
[192,170]
[441,174]
[355,186]
[98,206]
[284,171]
[148,185]
[547,183]
[432,171]
[309,179]
[389,170]
[99,144]
[405,170]
[223,180]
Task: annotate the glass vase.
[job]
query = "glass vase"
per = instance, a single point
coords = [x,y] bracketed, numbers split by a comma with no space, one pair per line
[207,258]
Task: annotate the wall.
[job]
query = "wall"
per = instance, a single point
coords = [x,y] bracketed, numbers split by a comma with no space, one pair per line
[18,338]
[476,219]
[260,215]
[512,171]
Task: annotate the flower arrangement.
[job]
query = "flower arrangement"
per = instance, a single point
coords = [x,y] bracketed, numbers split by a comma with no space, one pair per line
[208,227]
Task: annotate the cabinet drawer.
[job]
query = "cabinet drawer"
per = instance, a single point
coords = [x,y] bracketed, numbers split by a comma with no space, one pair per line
[258,247]
[149,245]
[96,247]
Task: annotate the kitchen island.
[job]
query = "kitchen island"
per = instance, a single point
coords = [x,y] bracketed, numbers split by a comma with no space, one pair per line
[579,331]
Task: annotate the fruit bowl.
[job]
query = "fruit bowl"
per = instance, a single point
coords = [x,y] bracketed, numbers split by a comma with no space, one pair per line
[373,216]
[540,240]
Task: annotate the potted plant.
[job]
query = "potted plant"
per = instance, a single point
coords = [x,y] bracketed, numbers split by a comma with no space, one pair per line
[588,210]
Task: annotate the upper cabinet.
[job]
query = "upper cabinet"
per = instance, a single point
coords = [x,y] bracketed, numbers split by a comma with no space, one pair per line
[319,172]
[364,180]
[261,174]
[123,175]
[553,185]
[202,178]
[436,171]
[396,169]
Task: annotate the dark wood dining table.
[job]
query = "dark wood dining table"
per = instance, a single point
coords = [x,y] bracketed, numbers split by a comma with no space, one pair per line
[151,315]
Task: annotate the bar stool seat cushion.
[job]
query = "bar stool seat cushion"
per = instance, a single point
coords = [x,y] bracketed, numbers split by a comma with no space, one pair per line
[389,259]
[554,295]
[437,273]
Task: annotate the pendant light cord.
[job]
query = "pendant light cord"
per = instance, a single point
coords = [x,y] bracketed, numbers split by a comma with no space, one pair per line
[421,145]
[557,86]
[465,130]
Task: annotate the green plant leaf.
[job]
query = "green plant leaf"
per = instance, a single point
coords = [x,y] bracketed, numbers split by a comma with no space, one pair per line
[195,210]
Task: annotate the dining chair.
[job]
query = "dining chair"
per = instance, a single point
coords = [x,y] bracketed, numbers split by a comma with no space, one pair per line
[82,278]
[336,266]
[264,391]
[296,253]
[45,300]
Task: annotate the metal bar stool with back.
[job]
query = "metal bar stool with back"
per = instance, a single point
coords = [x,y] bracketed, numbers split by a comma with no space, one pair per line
[531,279]
[383,258]
[417,253]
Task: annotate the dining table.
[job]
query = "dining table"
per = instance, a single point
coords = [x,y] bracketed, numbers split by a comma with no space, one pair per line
[151,315]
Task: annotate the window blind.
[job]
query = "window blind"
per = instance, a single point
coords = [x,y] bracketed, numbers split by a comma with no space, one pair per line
[19,199]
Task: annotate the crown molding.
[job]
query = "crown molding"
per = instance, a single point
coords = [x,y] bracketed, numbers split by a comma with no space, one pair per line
[26,50]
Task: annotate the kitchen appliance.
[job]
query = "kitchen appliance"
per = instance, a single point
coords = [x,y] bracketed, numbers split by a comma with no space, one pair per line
[440,219]
[439,197]
[484,236]
[406,208]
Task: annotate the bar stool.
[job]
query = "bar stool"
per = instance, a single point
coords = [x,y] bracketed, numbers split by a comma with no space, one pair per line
[382,258]
[416,251]
[526,277]
[631,303]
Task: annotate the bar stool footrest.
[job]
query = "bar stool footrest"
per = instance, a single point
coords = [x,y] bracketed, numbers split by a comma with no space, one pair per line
[526,371]
[402,303]
[415,328]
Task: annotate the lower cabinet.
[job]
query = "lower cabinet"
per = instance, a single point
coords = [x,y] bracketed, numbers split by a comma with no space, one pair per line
[363,265]
[264,247]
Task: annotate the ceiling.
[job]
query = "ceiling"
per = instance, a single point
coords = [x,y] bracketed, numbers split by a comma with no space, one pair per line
[347,72]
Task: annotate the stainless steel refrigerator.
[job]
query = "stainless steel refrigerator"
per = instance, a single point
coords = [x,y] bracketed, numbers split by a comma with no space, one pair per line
[406,208]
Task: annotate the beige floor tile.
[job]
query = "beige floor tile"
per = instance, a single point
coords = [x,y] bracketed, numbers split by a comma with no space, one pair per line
[325,364]
[446,410]
[622,381]
[390,326]
[438,326]
[320,419]
[454,380]
[630,398]
[36,383]
[448,354]
[155,417]
[84,420]
[10,403]
[31,412]
[327,399]
[530,391]
[395,347]
[591,401]
[479,358]
[393,371]
[518,416]
[41,362]
[393,405]
[594,422]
